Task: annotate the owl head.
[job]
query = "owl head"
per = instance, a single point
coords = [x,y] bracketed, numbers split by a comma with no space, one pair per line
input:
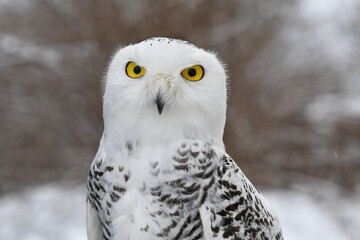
[165,89]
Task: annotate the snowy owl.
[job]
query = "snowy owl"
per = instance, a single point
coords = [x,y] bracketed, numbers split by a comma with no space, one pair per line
[161,171]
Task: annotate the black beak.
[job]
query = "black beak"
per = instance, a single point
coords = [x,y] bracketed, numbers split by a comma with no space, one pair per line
[159,103]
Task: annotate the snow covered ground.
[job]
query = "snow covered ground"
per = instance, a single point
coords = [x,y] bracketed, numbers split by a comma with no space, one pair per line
[316,213]
[49,212]
[57,212]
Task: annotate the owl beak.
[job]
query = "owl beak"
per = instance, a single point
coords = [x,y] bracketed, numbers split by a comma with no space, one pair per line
[159,103]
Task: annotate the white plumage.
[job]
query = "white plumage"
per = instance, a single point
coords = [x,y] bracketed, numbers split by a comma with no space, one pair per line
[161,171]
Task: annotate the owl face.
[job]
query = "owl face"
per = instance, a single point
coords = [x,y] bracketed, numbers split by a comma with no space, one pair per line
[166,80]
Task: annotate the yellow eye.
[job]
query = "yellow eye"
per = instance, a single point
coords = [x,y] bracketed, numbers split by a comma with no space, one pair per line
[133,70]
[194,73]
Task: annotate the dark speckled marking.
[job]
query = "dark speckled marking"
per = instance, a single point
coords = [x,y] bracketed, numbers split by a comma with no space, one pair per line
[129,146]
[168,41]
[109,168]
[154,164]
[236,211]
[126,177]
[119,189]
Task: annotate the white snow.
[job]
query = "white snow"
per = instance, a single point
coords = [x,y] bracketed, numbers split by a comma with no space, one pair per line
[316,213]
[49,212]
[57,212]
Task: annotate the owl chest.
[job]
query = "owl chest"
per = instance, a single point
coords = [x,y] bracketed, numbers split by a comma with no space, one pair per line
[164,208]
[165,187]
[155,196]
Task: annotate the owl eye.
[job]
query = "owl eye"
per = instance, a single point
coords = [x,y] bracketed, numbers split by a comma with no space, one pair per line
[194,73]
[133,70]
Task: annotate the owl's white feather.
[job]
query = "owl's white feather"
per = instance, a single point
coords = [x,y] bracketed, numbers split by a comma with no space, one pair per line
[192,109]
[167,175]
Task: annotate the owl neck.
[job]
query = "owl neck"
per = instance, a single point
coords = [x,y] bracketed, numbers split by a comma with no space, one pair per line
[147,127]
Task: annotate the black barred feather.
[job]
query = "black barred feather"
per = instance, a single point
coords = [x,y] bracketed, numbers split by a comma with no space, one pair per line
[197,175]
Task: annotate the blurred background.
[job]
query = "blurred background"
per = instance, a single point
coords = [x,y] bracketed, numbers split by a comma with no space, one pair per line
[293,120]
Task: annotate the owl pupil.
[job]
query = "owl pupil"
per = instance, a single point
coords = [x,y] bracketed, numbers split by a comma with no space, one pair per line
[137,69]
[192,72]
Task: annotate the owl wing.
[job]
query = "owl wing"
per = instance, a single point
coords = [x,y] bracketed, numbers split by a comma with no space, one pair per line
[236,209]
[93,224]
[95,193]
